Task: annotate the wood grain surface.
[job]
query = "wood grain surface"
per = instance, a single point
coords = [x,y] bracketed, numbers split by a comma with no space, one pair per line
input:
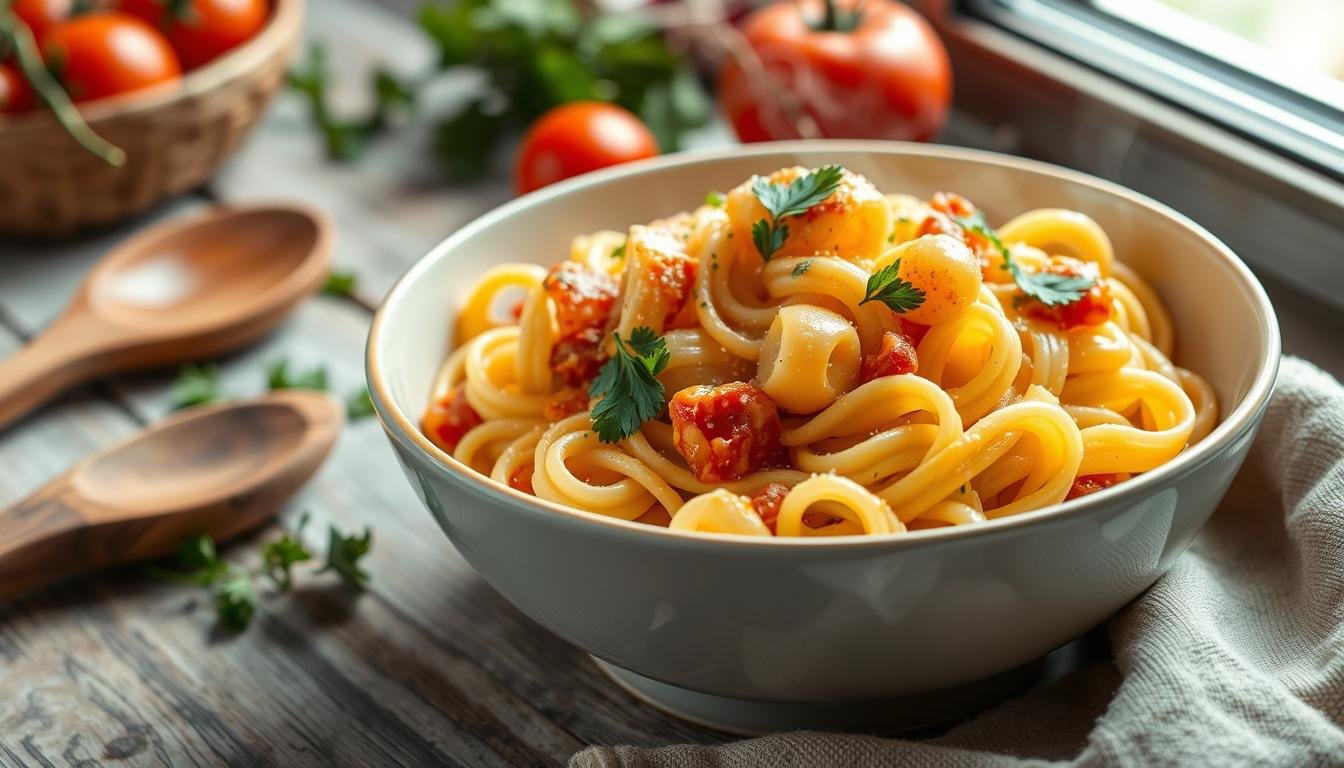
[429,666]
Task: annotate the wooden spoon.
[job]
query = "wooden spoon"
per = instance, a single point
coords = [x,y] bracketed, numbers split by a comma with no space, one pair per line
[190,289]
[219,470]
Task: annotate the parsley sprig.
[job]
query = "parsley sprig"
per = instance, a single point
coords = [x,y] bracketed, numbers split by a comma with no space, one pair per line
[887,286]
[630,395]
[1046,287]
[339,283]
[233,586]
[199,385]
[791,199]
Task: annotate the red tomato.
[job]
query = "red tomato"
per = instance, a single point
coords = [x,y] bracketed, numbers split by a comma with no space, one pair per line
[1087,484]
[15,95]
[1092,308]
[766,502]
[104,54]
[576,138]
[583,296]
[881,75]
[203,29]
[725,432]
[448,419]
[895,356]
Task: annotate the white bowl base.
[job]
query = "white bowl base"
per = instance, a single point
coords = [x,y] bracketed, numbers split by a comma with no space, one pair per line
[743,717]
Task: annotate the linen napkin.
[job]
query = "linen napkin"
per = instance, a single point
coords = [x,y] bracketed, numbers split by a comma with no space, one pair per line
[1234,657]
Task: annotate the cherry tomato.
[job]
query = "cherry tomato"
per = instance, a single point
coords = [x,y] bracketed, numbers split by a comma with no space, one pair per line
[104,54]
[579,137]
[202,30]
[855,68]
[15,95]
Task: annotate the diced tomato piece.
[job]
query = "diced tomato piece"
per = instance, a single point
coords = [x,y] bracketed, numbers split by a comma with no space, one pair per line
[566,402]
[521,479]
[583,296]
[1085,484]
[914,332]
[895,356]
[449,419]
[674,274]
[951,204]
[767,500]
[725,432]
[1093,308]
[947,205]
[577,359]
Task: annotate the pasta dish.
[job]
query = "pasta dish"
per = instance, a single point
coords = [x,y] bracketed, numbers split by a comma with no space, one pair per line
[807,356]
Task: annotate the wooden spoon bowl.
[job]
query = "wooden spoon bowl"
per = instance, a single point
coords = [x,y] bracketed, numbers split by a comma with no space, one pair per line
[219,470]
[191,289]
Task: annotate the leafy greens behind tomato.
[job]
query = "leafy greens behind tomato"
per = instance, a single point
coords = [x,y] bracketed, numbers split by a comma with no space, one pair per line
[535,55]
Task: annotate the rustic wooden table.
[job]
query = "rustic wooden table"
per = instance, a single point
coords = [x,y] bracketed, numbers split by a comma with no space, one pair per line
[429,666]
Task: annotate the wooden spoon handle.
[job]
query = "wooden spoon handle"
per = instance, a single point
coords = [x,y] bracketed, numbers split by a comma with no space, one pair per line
[36,540]
[52,363]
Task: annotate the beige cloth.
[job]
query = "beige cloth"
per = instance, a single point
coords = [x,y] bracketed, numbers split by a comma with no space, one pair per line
[1234,658]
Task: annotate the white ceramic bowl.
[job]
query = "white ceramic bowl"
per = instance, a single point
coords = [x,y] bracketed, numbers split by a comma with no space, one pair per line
[758,635]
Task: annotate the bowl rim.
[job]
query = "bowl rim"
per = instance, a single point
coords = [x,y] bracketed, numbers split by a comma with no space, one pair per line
[282,24]
[1244,418]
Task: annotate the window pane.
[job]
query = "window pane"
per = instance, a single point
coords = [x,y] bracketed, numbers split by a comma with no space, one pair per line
[1296,43]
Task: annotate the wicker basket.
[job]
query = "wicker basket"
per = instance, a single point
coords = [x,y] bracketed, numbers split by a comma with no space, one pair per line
[175,136]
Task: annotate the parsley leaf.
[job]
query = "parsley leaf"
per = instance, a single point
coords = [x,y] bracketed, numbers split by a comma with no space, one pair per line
[785,200]
[279,556]
[233,586]
[278,377]
[1048,288]
[630,395]
[715,199]
[340,283]
[195,385]
[359,405]
[801,267]
[343,554]
[768,237]
[886,286]
[1051,289]
[236,601]
[619,251]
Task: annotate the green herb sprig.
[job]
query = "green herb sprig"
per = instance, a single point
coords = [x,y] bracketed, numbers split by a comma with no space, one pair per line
[1046,287]
[199,385]
[886,285]
[279,377]
[791,199]
[195,385]
[630,395]
[531,55]
[234,587]
[340,283]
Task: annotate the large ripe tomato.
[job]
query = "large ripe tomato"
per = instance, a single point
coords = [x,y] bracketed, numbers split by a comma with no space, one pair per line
[201,30]
[579,137]
[856,68]
[104,54]
[15,95]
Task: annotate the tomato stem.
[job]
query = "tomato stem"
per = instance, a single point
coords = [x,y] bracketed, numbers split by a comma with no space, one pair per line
[834,20]
[30,62]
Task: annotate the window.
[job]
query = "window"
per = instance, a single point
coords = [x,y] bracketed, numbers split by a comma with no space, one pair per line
[1231,111]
